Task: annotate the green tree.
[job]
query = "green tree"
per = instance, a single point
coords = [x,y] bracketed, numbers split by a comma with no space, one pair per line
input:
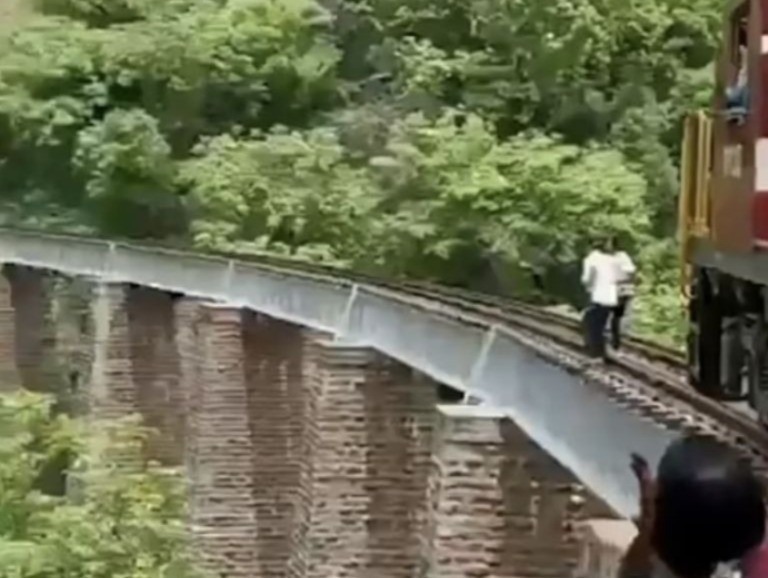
[530,202]
[90,83]
[126,520]
[285,191]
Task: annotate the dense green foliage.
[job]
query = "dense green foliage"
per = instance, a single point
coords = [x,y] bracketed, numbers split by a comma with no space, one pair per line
[469,141]
[116,521]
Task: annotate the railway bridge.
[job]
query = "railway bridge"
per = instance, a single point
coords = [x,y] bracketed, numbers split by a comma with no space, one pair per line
[329,426]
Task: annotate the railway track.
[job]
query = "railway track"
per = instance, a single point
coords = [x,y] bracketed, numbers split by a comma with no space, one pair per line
[645,379]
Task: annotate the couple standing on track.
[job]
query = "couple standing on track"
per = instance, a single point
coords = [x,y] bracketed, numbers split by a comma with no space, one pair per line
[607,273]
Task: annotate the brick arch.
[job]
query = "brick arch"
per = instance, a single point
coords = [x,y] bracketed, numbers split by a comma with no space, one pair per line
[155,370]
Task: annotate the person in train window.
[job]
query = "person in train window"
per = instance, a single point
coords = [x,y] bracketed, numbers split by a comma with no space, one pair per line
[737,94]
[702,517]
[600,275]
[627,271]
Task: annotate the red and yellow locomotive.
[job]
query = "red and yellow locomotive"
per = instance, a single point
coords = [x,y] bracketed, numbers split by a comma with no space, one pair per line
[723,218]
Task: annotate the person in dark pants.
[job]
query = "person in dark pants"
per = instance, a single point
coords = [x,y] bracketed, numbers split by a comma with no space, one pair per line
[601,276]
[595,320]
[617,316]
[626,291]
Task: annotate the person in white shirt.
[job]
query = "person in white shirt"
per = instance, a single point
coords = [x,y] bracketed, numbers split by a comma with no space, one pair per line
[601,275]
[626,291]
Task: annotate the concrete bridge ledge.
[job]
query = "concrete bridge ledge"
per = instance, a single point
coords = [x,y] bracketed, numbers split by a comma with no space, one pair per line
[471,411]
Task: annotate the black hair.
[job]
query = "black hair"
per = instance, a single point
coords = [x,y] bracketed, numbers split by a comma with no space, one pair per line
[607,242]
[709,507]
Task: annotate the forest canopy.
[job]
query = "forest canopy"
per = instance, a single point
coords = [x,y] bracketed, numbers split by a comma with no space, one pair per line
[482,143]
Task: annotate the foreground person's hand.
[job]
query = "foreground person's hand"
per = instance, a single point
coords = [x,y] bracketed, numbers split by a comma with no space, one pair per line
[638,560]
[647,486]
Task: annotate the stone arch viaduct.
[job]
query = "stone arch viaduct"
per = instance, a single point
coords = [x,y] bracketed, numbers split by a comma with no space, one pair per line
[317,418]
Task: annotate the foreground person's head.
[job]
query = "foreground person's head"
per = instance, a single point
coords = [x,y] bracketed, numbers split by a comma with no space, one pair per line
[709,507]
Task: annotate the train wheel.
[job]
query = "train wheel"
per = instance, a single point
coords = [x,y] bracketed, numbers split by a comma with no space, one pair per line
[692,340]
[705,343]
[734,367]
[758,372]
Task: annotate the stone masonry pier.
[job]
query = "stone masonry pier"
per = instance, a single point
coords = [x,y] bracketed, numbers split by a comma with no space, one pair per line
[306,456]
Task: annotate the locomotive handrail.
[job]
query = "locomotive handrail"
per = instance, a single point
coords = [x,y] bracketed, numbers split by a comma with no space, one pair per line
[694,198]
[703,181]
[684,200]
